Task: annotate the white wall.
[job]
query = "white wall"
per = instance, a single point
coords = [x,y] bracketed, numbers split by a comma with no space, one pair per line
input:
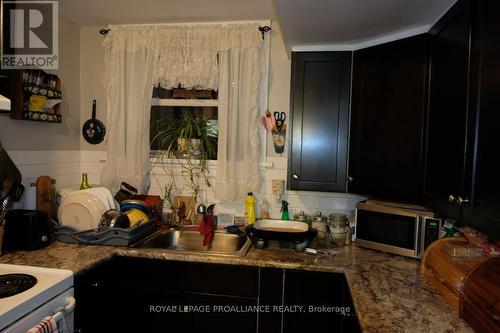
[51,149]
[91,75]
[93,157]
[30,135]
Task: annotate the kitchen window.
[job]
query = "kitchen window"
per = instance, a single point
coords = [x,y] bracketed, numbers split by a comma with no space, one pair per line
[167,114]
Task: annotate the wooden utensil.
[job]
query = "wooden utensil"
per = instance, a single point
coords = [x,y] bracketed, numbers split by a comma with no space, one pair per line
[45,196]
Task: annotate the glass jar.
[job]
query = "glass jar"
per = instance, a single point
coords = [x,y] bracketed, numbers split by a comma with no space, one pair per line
[339,228]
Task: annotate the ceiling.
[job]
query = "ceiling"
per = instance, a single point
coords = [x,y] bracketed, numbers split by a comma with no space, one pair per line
[102,12]
[353,24]
[305,24]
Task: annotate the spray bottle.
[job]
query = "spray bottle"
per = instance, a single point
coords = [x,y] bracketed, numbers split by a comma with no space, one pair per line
[284,211]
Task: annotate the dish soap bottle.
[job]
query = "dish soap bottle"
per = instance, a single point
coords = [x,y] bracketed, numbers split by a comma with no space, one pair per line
[249,208]
[85,182]
[284,211]
[264,209]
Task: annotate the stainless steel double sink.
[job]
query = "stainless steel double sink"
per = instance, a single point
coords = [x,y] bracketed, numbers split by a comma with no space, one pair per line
[191,242]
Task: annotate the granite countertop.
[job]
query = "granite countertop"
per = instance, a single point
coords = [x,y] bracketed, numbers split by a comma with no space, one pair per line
[387,290]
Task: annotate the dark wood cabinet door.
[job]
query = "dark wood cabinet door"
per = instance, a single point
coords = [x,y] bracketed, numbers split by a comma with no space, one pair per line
[448,146]
[319,120]
[483,212]
[387,119]
[317,301]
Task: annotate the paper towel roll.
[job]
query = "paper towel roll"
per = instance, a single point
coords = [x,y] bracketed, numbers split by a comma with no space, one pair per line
[29,198]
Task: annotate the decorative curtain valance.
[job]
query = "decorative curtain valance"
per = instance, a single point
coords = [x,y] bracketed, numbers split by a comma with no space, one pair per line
[187,54]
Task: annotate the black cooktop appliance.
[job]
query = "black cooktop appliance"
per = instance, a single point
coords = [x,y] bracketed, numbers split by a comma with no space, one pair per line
[13,284]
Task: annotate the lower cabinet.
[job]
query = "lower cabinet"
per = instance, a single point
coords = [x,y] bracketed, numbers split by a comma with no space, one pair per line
[147,295]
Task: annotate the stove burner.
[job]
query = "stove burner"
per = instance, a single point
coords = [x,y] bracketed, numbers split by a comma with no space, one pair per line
[13,284]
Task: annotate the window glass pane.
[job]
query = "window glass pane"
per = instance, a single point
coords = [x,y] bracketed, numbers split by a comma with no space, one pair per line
[166,118]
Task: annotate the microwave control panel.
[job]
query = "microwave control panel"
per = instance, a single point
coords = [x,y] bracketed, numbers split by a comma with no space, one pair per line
[432,227]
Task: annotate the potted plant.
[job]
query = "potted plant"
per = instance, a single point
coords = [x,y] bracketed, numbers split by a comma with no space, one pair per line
[190,136]
[192,140]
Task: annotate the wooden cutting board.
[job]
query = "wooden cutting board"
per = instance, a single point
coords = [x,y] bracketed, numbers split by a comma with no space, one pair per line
[45,196]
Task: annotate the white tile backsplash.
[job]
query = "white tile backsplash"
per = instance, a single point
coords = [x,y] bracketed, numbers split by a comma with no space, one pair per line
[275,168]
[63,166]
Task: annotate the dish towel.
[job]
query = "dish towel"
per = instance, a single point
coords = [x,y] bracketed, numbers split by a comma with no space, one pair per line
[207,229]
[48,325]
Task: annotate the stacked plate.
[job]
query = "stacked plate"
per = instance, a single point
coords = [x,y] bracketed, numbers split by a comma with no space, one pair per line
[83,209]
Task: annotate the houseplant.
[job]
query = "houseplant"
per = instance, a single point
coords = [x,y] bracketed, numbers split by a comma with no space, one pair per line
[191,140]
[188,136]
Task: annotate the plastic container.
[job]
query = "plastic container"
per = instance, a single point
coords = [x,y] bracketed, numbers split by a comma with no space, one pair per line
[250,208]
[264,209]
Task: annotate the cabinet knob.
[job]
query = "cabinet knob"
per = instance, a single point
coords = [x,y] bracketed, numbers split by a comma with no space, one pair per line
[95,284]
[350,179]
[295,176]
[461,201]
[451,198]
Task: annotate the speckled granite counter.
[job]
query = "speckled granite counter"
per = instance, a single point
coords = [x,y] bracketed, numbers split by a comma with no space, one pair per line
[388,293]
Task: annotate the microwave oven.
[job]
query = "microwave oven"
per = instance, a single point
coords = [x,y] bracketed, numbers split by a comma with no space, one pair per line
[395,228]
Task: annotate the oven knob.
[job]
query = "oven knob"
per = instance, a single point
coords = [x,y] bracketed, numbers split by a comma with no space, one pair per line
[461,201]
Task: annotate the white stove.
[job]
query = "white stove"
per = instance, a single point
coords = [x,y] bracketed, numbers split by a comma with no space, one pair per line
[52,292]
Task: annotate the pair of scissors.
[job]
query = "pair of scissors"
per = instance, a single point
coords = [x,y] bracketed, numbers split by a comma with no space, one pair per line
[280,120]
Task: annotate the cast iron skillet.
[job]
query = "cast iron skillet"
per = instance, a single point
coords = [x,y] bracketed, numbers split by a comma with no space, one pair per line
[93,130]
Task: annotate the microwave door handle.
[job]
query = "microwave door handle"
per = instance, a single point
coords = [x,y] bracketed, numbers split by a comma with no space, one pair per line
[422,231]
[418,221]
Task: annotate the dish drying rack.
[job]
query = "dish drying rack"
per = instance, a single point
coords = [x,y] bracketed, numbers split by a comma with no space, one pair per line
[111,236]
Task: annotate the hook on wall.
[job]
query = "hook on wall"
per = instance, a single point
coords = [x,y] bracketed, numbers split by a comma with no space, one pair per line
[264,29]
[104,31]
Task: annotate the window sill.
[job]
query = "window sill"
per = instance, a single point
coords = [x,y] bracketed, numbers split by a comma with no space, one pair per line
[211,163]
[184,102]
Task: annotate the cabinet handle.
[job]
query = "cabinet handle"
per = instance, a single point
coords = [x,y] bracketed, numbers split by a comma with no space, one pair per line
[295,176]
[451,198]
[350,179]
[461,201]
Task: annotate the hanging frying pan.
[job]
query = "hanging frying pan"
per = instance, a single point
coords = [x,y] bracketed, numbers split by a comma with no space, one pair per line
[93,130]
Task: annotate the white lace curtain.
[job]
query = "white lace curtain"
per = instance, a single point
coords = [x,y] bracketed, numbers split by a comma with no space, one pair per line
[188,53]
[130,56]
[138,57]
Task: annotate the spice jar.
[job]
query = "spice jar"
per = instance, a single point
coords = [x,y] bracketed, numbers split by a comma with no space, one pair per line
[319,223]
[339,228]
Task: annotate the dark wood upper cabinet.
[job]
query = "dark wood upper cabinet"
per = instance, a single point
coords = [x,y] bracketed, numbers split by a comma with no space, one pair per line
[387,119]
[320,92]
[482,212]
[448,149]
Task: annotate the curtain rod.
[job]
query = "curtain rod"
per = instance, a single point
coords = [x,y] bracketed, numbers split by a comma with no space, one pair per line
[262,30]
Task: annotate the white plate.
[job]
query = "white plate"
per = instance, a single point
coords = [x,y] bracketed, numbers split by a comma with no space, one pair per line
[82,211]
[281,226]
[102,193]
